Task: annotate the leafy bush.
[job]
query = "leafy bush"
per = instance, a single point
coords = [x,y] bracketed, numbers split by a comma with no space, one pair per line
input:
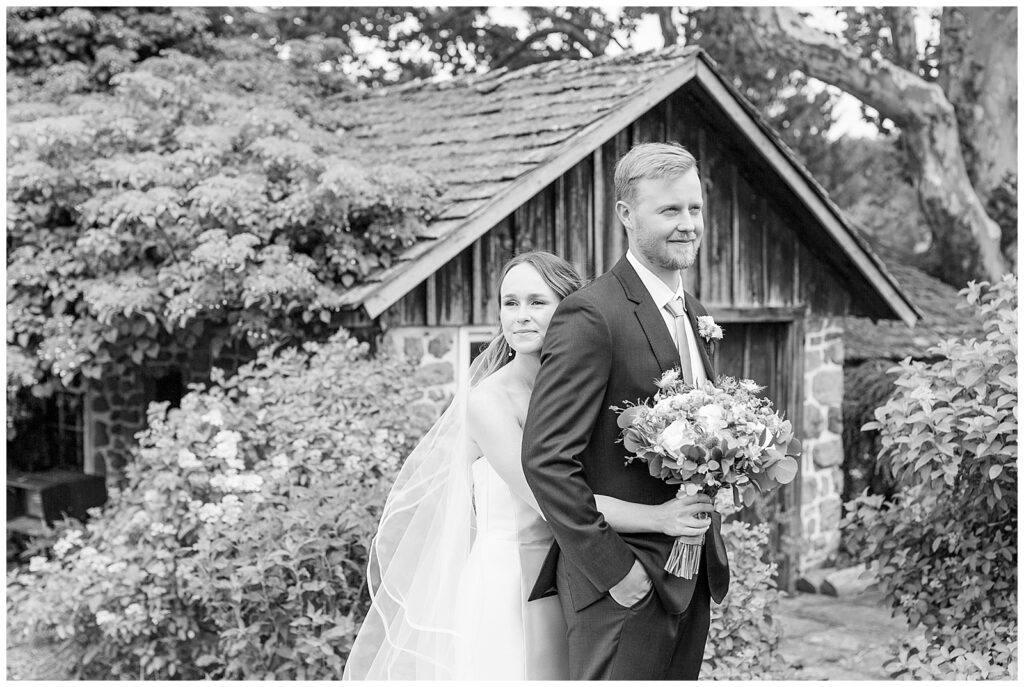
[166,185]
[238,548]
[744,637]
[946,545]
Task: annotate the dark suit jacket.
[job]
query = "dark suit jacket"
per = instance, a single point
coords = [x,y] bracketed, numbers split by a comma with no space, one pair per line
[606,344]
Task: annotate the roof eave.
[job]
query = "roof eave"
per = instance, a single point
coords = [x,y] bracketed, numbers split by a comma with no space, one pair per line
[377,298]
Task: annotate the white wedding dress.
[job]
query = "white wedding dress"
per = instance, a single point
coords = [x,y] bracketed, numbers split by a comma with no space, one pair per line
[450,569]
[499,634]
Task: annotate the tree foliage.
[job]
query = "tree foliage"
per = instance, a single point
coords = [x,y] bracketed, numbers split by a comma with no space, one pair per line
[394,44]
[165,182]
[237,549]
[946,545]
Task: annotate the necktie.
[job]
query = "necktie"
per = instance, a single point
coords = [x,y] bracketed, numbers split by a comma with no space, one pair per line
[678,310]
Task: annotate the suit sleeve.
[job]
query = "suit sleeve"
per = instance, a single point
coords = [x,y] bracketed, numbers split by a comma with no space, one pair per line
[564,407]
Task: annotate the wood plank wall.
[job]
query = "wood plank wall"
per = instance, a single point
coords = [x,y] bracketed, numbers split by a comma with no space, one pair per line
[759,250]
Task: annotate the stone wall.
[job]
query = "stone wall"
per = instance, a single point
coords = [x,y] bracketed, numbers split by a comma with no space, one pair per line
[435,353]
[822,487]
[117,403]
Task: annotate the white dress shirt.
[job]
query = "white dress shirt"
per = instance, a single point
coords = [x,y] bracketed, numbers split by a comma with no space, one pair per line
[662,294]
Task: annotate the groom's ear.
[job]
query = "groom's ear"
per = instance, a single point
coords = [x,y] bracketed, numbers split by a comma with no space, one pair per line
[625,213]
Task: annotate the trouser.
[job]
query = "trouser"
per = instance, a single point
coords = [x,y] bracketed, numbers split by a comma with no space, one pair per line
[645,642]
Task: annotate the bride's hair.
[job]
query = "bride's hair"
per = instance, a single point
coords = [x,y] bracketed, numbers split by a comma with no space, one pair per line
[556,273]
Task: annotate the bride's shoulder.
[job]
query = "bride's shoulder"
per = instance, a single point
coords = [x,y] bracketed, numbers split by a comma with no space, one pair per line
[490,391]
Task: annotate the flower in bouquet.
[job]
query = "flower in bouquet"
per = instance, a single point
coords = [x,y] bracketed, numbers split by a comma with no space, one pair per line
[705,438]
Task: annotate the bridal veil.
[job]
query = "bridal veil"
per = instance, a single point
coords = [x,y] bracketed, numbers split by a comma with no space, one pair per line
[417,555]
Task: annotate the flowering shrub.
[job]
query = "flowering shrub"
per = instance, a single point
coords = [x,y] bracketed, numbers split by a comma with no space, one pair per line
[744,637]
[946,545]
[237,549]
[166,184]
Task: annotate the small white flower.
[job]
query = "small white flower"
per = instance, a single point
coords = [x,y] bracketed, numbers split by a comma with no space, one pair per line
[210,513]
[708,329]
[104,617]
[187,460]
[712,418]
[37,563]
[669,377]
[158,529]
[227,436]
[750,386]
[151,497]
[279,461]
[213,418]
[134,611]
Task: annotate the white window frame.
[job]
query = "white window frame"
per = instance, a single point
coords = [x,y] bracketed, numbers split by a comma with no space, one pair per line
[467,337]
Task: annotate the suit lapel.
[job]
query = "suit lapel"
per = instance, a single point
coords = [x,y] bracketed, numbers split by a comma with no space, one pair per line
[657,334]
[694,310]
[650,320]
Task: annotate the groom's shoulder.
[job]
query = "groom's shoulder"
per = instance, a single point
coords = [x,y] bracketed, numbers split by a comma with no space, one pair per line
[602,287]
[594,295]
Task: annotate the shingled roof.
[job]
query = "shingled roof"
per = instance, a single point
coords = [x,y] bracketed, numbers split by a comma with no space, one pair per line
[494,140]
[943,319]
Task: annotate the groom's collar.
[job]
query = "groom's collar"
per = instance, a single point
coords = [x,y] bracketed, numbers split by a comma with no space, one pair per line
[660,292]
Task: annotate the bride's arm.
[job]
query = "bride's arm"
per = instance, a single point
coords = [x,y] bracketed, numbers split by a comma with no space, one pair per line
[676,517]
[500,439]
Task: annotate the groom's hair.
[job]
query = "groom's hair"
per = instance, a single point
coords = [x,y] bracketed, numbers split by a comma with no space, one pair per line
[650,161]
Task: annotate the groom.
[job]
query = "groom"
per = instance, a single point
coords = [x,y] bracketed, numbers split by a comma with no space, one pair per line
[627,618]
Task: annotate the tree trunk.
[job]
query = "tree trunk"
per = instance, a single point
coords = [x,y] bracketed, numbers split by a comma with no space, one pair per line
[966,238]
[979,75]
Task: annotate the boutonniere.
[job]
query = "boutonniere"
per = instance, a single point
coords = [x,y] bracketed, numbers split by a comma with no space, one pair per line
[707,328]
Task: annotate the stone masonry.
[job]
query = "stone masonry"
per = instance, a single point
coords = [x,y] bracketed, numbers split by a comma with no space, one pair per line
[822,487]
[434,352]
[117,403]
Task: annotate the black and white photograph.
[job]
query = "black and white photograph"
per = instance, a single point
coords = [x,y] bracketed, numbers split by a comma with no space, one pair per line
[504,342]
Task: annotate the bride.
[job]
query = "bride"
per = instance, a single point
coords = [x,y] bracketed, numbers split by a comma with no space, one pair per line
[461,539]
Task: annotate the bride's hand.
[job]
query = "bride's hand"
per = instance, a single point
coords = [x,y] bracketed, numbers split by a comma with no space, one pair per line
[684,516]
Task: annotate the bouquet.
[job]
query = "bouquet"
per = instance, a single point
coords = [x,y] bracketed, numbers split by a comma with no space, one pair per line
[705,438]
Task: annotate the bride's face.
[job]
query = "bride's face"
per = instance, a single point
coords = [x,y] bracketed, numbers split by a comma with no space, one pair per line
[527,304]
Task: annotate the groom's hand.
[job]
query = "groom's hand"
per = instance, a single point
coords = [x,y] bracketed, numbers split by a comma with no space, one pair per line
[684,516]
[633,587]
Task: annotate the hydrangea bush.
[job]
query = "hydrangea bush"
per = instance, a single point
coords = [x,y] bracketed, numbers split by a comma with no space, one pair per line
[238,548]
[945,546]
[166,185]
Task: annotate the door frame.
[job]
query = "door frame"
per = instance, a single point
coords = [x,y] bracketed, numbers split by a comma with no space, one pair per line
[791,528]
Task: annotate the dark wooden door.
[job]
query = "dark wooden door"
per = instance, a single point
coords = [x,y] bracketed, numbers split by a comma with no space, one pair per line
[767,352]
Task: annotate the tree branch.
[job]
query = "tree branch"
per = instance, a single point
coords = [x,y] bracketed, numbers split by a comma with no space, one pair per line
[669,32]
[920,108]
[565,27]
[904,36]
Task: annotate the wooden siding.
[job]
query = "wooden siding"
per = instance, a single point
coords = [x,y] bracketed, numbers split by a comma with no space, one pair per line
[758,251]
